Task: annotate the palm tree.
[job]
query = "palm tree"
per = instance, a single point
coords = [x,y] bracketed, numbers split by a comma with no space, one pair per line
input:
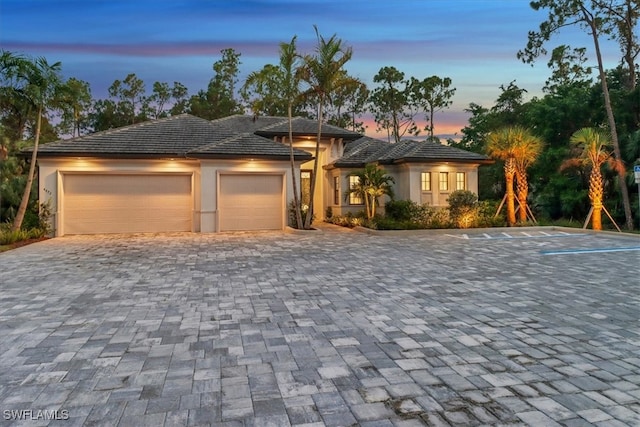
[500,145]
[593,152]
[324,74]
[527,149]
[36,82]
[289,65]
[373,182]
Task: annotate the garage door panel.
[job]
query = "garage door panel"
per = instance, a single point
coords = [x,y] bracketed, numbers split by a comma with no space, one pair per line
[95,203]
[251,202]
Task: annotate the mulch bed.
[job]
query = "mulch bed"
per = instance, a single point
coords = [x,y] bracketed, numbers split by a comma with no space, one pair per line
[21,243]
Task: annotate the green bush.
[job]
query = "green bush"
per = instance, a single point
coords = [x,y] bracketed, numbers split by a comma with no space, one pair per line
[292,214]
[402,210]
[8,237]
[463,208]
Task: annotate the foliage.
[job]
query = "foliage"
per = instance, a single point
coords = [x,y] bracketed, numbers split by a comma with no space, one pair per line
[219,98]
[393,104]
[291,209]
[373,183]
[592,152]
[349,219]
[615,19]
[324,74]
[463,208]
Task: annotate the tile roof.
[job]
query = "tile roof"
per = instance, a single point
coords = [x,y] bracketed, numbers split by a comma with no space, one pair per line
[178,136]
[304,126]
[243,136]
[368,150]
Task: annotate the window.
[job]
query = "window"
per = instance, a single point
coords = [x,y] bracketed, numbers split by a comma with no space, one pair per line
[305,188]
[354,198]
[336,190]
[444,181]
[461,181]
[425,178]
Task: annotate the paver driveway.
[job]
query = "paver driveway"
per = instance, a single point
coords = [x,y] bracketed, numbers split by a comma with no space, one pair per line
[331,328]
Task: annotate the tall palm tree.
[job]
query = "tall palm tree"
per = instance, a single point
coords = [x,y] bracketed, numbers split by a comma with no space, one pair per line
[527,149]
[373,183]
[35,81]
[593,152]
[289,64]
[324,74]
[500,145]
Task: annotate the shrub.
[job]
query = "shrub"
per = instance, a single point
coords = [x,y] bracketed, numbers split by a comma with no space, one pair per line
[8,237]
[463,208]
[292,213]
[487,214]
[402,210]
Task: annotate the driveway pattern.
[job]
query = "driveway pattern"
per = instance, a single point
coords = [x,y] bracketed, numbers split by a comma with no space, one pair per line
[333,328]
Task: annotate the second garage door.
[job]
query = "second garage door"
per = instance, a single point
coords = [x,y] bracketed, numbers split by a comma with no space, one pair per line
[251,202]
[106,203]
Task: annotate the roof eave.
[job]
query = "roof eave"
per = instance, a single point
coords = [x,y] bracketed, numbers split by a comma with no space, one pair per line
[445,159]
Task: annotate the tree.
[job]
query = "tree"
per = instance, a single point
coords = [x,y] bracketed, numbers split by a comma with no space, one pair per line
[620,20]
[592,145]
[393,104]
[324,74]
[74,100]
[433,94]
[219,98]
[373,183]
[567,68]
[586,14]
[163,94]
[502,145]
[289,64]
[36,83]
[527,149]
[130,95]
[347,104]
[262,91]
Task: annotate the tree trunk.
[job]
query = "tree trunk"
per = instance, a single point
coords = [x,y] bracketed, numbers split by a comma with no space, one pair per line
[22,210]
[296,195]
[523,191]
[509,172]
[624,191]
[308,219]
[596,192]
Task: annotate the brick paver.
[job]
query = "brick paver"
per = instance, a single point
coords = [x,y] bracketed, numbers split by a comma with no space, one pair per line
[321,328]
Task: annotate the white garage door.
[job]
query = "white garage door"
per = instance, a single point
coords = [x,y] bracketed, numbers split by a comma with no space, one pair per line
[99,203]
[251,202]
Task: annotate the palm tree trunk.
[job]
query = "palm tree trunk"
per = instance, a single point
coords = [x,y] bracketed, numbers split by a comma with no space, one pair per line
[296,195]
[624,191]
[307,220]
[22,209]
[523,191]
[509,173]
[596,192]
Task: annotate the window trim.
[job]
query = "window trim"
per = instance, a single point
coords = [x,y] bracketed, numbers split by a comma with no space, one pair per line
[336,190]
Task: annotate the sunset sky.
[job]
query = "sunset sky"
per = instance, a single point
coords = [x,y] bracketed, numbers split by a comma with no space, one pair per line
[474,42]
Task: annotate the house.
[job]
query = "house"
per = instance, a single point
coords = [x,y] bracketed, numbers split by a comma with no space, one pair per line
[184,173]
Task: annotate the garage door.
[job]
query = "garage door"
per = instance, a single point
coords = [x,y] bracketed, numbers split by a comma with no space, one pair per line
[98,203]
[251,202]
